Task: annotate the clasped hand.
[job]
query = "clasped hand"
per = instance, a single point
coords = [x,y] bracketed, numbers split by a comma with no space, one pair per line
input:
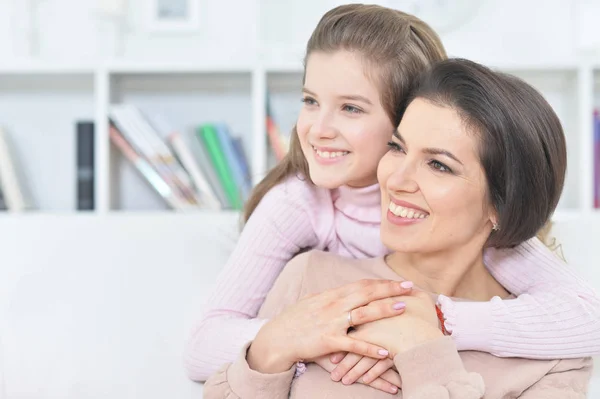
[318,325]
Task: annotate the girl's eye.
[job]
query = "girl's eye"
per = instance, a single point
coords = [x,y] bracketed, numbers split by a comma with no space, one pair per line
[308,101]
[352,109]
[395,147]
[439,166]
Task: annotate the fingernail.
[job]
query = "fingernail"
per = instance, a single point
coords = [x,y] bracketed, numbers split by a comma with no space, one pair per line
[399,305]
[394,390]
[346,380]
[383,352]
[406,284]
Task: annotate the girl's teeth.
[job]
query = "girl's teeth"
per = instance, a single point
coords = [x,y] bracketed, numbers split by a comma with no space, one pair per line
[330,154]
[406,212]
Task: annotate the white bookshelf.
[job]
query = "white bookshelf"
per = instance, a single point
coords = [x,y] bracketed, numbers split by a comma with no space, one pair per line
[40,103]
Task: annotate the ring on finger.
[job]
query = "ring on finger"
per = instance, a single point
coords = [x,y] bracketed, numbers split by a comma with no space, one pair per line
[349,317]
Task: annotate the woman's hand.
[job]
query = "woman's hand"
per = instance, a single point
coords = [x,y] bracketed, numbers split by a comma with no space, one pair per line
[380,375]
[318,325]
[417,325]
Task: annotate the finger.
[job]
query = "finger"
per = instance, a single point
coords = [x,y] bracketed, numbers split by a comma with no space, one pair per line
[376,310]
[364,292]
[350,360]
[392,377]
[384,386]
[359,370]
[337,357]
[377,370]
[358,347]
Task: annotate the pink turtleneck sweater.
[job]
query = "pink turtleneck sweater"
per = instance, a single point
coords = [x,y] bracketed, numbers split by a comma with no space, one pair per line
[555,314]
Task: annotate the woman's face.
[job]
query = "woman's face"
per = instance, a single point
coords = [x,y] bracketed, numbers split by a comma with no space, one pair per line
[432,183]
[342,127]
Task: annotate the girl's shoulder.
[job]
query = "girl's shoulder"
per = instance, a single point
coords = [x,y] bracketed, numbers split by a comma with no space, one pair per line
[300,190]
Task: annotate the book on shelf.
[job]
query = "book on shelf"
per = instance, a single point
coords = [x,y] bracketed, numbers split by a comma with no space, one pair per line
[147,142]
[3,206]
[203,168]
[597,159]
[279,143]
[85,165]
[146,169]
[14,195]
[189,162]
[209,136]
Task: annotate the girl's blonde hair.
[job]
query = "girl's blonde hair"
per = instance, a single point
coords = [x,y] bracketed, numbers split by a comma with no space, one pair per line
[395,48]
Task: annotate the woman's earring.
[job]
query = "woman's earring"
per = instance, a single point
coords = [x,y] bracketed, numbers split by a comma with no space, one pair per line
[495,227]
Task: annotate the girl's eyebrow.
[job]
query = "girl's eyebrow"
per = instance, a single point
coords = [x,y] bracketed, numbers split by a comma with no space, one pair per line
[343,97]
[357,98]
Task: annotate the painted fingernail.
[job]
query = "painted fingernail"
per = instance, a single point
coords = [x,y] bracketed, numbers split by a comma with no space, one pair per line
[394,390]
[383,352]
[399,305]
[406,284]
[346,380]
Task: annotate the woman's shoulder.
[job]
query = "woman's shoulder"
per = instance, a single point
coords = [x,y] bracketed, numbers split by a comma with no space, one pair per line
[324,270]
[570,374]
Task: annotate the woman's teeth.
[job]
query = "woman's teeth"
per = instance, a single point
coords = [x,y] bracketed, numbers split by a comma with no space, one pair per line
[406,212]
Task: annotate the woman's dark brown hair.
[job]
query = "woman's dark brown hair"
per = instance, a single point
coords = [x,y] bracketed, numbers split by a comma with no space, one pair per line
[522,145]
[395,48]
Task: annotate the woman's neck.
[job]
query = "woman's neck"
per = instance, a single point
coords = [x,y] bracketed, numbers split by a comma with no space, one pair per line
[458,273]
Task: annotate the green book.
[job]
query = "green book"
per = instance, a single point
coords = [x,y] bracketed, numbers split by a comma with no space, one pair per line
[209,137]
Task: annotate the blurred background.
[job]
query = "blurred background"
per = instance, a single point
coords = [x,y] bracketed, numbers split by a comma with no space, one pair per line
[131,132]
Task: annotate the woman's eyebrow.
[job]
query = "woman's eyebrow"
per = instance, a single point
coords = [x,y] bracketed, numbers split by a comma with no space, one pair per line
[431,151]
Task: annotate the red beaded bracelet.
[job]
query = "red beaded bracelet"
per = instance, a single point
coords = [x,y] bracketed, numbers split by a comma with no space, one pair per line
[440,316]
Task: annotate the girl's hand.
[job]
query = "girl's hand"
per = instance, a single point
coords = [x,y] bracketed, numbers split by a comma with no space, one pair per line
[380,374]
[318,325]
[417,325]
[356,368]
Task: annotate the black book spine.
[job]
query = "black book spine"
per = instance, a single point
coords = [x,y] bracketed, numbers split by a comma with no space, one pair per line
[3,205]
[85,166]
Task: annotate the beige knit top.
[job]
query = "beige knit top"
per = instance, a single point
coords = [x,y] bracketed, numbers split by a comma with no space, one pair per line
[434,370]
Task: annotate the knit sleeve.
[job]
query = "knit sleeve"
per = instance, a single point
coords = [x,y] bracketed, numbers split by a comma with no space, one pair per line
[556,314]
[281,226]
[569,379]
[233,379]
[434,370]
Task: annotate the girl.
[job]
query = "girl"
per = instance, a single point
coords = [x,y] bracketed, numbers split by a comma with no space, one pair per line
[360,63]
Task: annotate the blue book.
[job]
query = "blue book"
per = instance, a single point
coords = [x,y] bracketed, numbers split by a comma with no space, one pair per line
[238,146]
[234,162]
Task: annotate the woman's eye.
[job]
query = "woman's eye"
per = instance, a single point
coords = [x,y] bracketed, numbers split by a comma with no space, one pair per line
[439,166]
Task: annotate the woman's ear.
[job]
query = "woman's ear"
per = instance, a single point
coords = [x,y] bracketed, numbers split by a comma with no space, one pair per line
[494,221]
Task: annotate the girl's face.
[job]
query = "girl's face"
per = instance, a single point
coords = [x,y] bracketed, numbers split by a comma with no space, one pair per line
[342,127]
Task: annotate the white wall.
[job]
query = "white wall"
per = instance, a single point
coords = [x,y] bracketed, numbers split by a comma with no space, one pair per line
[518,31]
[100,307]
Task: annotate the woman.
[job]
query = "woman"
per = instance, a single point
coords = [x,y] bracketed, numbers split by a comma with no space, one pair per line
[478,161]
